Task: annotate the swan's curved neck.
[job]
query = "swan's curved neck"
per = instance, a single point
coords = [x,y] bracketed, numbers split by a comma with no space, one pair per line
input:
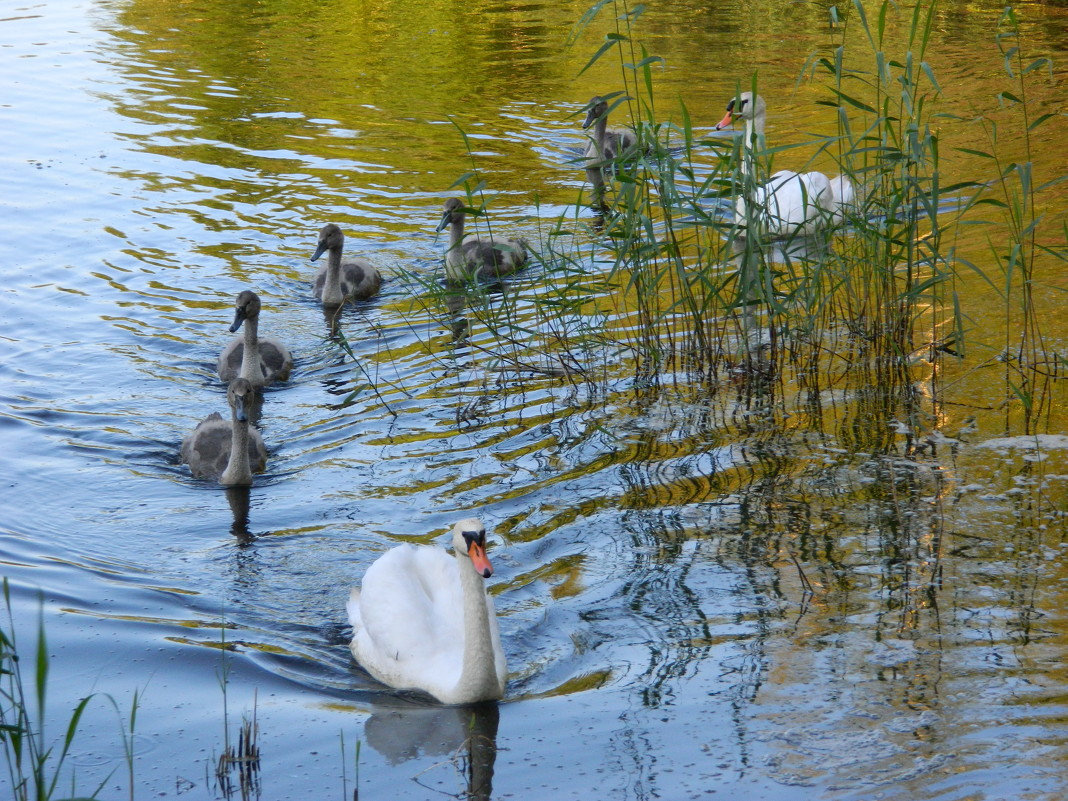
[454,270]
[332,294]
[250,356]
[478,678]
[238,470]
[600,128]
[753,142]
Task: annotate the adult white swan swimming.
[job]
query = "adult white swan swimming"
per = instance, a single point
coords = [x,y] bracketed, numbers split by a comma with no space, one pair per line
[790,202]
[422,620]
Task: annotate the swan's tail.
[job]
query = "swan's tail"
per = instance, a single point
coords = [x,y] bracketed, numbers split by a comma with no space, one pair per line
[353,608]
[841,191]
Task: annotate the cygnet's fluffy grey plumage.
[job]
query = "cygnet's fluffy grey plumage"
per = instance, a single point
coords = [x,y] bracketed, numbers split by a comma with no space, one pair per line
[606,143]
[481,257]
[229,451]
[338,281]
[259,361]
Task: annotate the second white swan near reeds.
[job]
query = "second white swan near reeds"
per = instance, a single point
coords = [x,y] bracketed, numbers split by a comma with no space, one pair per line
[422,620]
[789,202]
[339,281]
[227,450]
[258,360]
[479,256]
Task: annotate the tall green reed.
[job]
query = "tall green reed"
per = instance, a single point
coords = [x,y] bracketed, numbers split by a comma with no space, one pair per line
[665,283]
[875,299]
[1015,245]
[890,270]
[35,761]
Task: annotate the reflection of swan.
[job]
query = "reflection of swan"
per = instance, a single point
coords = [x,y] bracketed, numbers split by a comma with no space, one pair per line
[487,257]
[424,621]
[356,279]
[227,450]
[789,202]
[259,361]
[797,253]
[240,500]
[400,733]
[456,303]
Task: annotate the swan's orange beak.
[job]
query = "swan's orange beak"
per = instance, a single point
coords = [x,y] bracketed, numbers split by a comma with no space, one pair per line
[480,560]
[728,118]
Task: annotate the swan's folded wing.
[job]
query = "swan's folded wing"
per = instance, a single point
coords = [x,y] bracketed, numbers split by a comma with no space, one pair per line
[499,661]
[410,605]
[207,449]
[794,199]
[275,359]
[229,364]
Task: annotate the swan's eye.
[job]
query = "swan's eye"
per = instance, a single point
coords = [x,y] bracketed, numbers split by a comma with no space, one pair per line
[475,536]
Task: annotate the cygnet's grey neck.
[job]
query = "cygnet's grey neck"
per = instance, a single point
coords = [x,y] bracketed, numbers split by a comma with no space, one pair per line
[455,261]
[238,470]
[332,294]
[251,368]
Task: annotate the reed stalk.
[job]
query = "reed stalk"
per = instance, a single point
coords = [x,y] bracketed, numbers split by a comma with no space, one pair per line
[35,761]
[663,284]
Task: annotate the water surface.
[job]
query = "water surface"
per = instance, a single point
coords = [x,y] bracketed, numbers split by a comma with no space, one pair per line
[692,603]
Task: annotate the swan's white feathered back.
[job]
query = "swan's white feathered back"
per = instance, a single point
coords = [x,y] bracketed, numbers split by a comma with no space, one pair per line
[408,621]
[792,202]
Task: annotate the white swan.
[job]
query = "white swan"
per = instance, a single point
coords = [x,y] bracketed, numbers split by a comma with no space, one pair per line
[259,361]
[423,620]
[790,202]
[227,450]
[481,257]
[338,281]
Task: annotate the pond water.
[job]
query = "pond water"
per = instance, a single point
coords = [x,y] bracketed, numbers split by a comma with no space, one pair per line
[691,605]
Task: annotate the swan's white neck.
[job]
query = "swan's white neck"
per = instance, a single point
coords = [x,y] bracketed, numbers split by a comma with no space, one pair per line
[238,470]
[478,678]
[752,143]
[251,368]
[332,294]
[455,265]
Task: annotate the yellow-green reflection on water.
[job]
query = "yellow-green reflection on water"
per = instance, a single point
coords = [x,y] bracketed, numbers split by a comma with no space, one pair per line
[761,588]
